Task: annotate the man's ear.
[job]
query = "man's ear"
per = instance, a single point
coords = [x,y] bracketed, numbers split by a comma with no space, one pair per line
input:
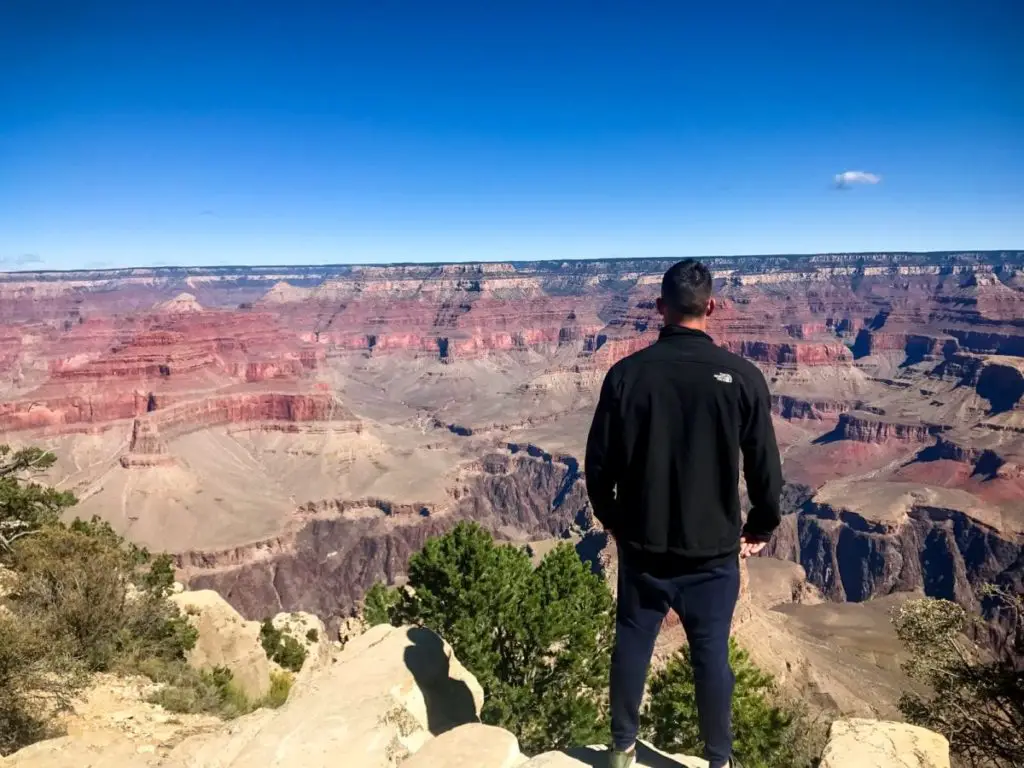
[660,304]
[711,307]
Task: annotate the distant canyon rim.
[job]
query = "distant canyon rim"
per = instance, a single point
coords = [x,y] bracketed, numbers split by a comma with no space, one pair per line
[293,434]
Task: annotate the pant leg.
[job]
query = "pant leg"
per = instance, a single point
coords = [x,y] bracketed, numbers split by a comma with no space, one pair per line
[708,601]
[642,606]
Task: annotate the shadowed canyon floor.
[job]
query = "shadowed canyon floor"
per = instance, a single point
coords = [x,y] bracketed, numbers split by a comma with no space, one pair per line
[293,434]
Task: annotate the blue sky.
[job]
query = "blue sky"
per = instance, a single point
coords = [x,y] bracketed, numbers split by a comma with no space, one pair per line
[222,132]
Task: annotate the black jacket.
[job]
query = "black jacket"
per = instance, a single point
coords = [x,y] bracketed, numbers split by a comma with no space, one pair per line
[663,454]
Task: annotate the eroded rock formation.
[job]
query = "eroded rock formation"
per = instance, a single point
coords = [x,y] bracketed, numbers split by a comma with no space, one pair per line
[870,744]
[923,540]
[226,640]
[348,545]
[302,430]
[398,696]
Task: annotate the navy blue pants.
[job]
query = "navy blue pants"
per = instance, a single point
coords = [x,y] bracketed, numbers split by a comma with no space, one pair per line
[705,601]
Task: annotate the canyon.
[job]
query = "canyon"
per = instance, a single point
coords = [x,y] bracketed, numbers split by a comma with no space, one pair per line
[293,434]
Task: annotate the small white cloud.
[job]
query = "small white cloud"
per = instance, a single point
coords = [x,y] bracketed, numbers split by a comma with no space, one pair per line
[849,178]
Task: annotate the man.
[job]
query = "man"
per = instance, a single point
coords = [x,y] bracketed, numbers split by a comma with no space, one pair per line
[662,468]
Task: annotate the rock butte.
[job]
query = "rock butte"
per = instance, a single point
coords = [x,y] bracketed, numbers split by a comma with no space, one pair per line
[294,433]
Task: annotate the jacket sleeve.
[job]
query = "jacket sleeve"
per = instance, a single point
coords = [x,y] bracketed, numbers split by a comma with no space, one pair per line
[603,458]
[762,466]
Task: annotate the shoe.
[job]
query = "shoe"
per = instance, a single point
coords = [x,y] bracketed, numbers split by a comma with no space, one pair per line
[619,759]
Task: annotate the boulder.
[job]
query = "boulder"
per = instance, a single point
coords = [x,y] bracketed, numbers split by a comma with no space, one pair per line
[874,744]
[386,695]
[311,633]
[226,640]
[469,746]
[308,629]
[350,627]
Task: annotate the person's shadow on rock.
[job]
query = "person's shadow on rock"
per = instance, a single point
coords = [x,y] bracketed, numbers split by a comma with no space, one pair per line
[449,702]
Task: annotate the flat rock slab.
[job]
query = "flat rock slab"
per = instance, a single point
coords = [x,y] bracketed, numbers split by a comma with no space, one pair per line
[872,744]
[597,757]
[99,751]
[469,746]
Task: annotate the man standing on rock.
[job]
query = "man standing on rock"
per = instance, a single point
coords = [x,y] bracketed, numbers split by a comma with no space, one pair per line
[662,468]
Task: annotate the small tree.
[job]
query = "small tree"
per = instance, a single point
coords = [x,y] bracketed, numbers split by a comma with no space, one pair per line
[282,647]
[768,732]
[26,506]
[380,603]
[538,640]
[976,701]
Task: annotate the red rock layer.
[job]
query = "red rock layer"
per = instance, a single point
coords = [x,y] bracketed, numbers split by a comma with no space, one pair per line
[247,407]
[73,411]
[868,428]
[148,449]
[790,407]
[790,353]
[94,347]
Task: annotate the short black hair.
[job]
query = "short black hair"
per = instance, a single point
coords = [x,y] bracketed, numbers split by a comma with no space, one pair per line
[686,288]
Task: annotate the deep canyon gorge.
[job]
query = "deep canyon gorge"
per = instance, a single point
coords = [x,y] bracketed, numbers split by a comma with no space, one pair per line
[293,434]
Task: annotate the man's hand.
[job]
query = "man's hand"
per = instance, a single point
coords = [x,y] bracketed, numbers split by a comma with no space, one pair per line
[750,547]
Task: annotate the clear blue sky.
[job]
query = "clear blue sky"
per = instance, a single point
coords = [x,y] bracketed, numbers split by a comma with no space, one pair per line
[221,132]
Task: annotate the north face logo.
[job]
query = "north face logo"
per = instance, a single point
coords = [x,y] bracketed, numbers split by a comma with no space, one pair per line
[725,378]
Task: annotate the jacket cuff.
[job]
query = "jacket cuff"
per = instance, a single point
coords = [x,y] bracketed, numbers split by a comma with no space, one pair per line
[757,536]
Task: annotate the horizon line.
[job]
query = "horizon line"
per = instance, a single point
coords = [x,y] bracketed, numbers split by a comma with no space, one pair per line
[482,262]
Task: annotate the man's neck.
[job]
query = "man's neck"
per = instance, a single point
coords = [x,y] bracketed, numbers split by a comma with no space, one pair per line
[694,325]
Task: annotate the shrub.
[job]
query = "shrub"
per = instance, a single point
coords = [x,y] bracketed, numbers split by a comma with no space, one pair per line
[291,655]
[270,637]
[768,732]
[37,679]
[976,700]
[537,640]
[313,636]
[194,692]
[74,583]
[380,603]
[282,647]
[280,687]
[211,692]
[79,599]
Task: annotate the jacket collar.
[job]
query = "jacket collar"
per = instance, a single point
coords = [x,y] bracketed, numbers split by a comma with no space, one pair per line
[678,332]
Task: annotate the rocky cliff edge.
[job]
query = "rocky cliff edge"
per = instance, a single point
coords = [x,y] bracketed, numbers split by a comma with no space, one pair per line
[398,696]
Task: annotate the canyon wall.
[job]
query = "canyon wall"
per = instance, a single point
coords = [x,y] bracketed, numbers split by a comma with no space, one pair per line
[326,565]
[372,406]
[942,552]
